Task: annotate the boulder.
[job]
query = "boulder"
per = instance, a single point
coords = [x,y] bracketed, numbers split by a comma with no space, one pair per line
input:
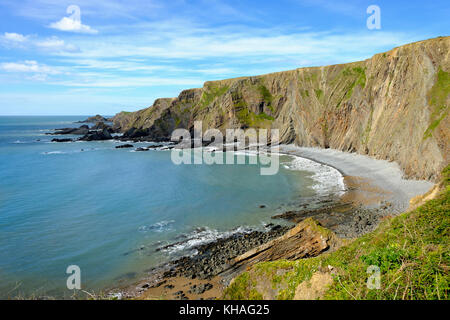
[201,288]
[62,140]
[97,136]
[135,133]
[100,126]
[124,146]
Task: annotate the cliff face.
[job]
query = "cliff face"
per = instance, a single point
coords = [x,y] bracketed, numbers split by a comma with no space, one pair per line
[393,106]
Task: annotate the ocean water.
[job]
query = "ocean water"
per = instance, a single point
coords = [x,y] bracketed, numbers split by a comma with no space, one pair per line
[107,210]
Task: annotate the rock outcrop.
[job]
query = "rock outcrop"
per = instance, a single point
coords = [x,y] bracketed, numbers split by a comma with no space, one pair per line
[97,136]
[393,106]
[72,131]
[94,119]
[306,239]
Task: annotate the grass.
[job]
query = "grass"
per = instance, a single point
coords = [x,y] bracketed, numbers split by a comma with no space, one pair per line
[248,117]
[359,76]
[265,93]
[319,93]
[304,93]
[251,119]
[437,99]
[412,251]
[349,78]
[266,96]
[213,91]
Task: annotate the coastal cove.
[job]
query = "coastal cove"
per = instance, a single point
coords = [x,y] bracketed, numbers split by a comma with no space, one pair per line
[108,210]
[376,190]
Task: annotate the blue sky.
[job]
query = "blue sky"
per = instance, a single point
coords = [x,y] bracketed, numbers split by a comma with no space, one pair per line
[121,55]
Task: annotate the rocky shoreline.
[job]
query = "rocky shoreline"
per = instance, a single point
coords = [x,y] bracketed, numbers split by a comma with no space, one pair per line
[214,266]
[211,259]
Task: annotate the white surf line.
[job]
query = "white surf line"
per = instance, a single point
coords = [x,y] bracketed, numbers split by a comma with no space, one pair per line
[329,179]
[383,174]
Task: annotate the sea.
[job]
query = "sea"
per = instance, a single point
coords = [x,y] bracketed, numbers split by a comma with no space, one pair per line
[108,211]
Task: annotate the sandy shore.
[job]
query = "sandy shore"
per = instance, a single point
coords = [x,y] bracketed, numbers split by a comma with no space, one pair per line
[380,179]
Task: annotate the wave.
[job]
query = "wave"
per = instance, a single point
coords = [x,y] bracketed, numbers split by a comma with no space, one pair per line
[329,180]
[200,236]
[54,152]
[28,141]
[161,226]
[72,151]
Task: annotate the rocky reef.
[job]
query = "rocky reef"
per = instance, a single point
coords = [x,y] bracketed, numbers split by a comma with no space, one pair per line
[393,106]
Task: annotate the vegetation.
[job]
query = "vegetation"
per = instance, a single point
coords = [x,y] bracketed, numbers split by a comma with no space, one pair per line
[358,75]
[319,93]
[251,119]
[267,96]
[412,251]
[349,78]
[438,101]
[304,93]
[211,93]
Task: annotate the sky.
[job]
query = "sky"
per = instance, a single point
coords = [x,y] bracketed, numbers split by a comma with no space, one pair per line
[89,57]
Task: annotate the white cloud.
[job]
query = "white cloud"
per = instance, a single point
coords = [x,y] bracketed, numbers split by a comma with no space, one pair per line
[52,45]
[71,25]
[102,81]
[28,66]
[56,44]
[178,41]
[16,37]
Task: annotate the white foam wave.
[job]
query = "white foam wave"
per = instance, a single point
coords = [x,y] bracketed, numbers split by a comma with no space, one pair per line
[329,179]
[73,151]
[160,226]
[54,152]
[202,236]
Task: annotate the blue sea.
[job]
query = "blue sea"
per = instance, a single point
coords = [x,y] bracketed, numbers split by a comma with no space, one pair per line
[107,210]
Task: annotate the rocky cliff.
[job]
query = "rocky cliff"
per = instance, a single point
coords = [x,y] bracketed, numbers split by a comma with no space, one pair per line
[393,106]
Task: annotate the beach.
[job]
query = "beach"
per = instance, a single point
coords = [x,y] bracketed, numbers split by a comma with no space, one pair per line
[365,173]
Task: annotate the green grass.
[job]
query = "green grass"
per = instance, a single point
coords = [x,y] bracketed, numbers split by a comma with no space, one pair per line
[251,119]
[359,78]
[265,93]
[437,98]
[304,93]
[211,93]
[319,93]
[412,250]
[350,77]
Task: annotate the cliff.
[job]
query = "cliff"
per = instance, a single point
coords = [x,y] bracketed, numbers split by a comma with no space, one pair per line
[393,106]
